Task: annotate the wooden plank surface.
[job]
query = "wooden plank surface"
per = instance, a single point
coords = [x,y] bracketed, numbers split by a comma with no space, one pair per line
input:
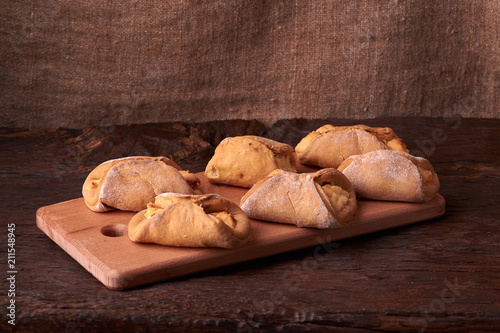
[437,276]
[100,243]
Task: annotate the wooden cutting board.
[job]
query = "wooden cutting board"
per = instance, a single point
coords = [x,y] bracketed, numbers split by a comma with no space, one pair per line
[100,243]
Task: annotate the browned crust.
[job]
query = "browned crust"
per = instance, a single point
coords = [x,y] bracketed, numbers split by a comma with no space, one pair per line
[382,133]
[276,147]
[379,174]
[335,177]
[430,180]
[270,187]
[244,160]
[191,228]
[91,194]
[330,145]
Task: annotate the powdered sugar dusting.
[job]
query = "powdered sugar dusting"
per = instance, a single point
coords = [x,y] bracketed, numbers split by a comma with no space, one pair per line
[288,198]
[131,183]
[384,175]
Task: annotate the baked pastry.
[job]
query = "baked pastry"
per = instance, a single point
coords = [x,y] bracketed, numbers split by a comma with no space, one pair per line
[207,220]
[244,160]
[329,145]
[391,175]
[130,183]
[192,180]
[324,199]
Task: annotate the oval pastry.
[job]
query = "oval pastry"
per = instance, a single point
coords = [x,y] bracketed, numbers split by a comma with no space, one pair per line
[324,199]
[329,145]
[207,220]
[130,183]
[244,160]
[392,176]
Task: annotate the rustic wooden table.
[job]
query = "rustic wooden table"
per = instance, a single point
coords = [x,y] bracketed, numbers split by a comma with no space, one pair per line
[440,275]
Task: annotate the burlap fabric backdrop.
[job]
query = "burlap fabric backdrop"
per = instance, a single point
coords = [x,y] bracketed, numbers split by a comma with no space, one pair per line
[84,63]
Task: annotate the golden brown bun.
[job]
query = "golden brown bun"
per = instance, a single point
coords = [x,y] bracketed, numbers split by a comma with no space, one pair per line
[391,175]
[329,146]
[207,220]
[302,199]
[130,183]
[244,160]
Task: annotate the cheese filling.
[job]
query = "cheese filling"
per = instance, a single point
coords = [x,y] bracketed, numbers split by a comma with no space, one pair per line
[221,216]
[225,217]
[426,174]
[396,144]
[152,210]
[337,196]
[95,183]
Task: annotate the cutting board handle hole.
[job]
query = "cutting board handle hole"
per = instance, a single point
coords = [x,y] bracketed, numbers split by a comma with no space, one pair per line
[114,230]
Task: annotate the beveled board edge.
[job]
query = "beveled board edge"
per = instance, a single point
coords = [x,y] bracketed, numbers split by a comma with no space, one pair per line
[75,249]
[116,279]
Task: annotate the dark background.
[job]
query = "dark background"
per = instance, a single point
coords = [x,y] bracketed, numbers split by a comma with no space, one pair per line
[86,63]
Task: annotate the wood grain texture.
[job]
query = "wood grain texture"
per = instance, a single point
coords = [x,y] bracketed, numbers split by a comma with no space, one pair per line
[100,243]
[438,276]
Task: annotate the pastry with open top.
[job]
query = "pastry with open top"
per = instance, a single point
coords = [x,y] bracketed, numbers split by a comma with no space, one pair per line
[204,220]
[324,199]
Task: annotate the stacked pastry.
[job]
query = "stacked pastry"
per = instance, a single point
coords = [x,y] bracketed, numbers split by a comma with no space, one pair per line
[171,210]
[278,193]
[324,199]
[130,183]
[330,145]
[353,161]
[375,160]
